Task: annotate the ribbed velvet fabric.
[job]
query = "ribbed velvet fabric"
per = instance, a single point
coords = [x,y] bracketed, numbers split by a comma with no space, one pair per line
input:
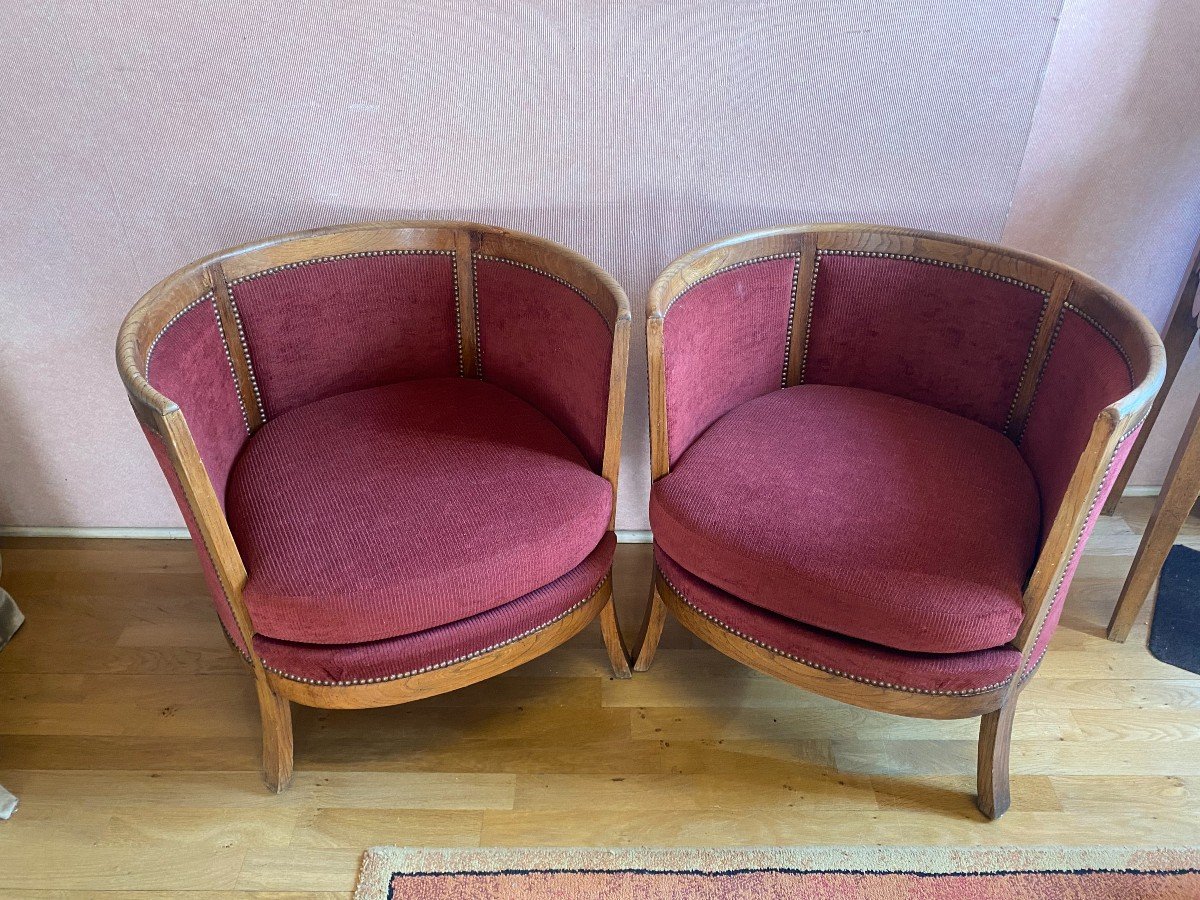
[544,342]
[724,342]
[396,509]
[860,513]
[189,365]
[1083,374]
[946,337]
[216,592]
[949,673]
[443,644]
[325,328]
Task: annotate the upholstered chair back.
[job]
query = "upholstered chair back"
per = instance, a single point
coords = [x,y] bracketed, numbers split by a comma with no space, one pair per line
[947,323]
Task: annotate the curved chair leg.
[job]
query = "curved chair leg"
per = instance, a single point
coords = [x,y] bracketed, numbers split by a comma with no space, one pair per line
[614,643]
[651,634]
[277,738]
[995,739]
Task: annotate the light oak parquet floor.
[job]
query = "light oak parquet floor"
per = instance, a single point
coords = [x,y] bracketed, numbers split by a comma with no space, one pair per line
[130,732]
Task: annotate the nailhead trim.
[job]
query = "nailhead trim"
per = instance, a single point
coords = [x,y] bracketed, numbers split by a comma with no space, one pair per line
[1041,373]
[475,307]
[818,666]
[723,270]
[1012,407]
[237,318]
[232,370]
[1107,334]
[1075,549]
[320,259]
[458,321]
[207,295]
[520,265]
[449,662]
[936,262]
[812,299]
[787,346]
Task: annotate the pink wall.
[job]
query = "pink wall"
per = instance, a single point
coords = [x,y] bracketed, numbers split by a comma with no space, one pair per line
[1111,178]
[141,136]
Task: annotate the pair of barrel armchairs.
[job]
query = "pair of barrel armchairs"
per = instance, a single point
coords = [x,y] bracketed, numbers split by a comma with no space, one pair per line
[877,455]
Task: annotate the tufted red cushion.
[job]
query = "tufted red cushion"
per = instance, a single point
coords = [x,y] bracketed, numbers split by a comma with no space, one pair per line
[395,509]
[860,513]
[445,644]
[953,673]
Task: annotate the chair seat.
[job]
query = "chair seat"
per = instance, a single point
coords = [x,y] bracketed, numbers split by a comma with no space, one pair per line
[397,509]
[959,674]
[435,648]
[858,513]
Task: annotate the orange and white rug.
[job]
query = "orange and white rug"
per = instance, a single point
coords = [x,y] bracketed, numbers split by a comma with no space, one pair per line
[817,873]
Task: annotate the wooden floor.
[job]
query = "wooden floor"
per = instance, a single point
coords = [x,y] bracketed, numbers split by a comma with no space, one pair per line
[130,732]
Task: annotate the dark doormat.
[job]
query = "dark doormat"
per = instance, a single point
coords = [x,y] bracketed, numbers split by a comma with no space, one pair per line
[1175,628]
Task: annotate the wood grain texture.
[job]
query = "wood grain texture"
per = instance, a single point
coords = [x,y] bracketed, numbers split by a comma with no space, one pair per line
[137,758]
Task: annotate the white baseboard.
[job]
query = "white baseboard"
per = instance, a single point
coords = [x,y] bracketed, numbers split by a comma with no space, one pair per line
[624,536]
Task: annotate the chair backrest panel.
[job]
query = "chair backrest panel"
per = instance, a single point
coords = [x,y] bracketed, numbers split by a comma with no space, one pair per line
[187,361]
[331,325]
[950,337]
[1086,370]
[725,340]
[529,323]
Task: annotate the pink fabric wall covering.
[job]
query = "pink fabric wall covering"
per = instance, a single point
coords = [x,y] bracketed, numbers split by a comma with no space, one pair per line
[144,136]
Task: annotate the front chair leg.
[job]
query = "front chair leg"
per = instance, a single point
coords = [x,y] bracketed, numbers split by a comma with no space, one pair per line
[995,740]
[614,643]
[277,738]
[652,628]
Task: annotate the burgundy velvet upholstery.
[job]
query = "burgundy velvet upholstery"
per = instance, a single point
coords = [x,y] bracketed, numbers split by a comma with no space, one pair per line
[946,337]
[189,365]
[411,653]
[216,592]
[325,328]
[546,343]
[396,509]
[860,513]
[955,673]
[724,342]
[1084,374]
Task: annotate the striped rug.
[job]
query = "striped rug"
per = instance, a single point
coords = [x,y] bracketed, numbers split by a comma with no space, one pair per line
[820,873]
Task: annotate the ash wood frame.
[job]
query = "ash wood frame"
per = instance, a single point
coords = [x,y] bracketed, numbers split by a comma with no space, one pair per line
[1060,285]
[163,417]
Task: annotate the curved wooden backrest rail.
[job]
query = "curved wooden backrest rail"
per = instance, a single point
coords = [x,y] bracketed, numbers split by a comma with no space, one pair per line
[1060,285]
[160,415]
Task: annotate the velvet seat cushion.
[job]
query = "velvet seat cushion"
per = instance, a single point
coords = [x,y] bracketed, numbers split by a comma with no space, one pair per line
[396,509]
[926,673]
[862,514]
[443,645]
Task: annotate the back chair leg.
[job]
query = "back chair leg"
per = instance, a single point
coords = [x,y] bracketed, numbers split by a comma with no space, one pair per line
[651,634]
[614,643]
[995,740]
[277,738]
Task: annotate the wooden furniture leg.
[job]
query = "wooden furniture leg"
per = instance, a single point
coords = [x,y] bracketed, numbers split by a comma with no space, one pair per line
[651,633]
[614,643]
[1177,338]
[995,741]
[277,738]
[1178,496]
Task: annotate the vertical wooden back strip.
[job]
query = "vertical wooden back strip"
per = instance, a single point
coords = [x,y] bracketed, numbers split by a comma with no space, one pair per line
[1039,351]
[803,283]
[469,362]
[236,347]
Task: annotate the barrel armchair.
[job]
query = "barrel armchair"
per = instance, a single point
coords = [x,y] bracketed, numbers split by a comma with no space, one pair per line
[395,446]
[877,456]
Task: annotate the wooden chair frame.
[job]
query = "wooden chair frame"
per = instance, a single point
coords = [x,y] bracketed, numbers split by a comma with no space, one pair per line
[163,417]
[1061,284]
